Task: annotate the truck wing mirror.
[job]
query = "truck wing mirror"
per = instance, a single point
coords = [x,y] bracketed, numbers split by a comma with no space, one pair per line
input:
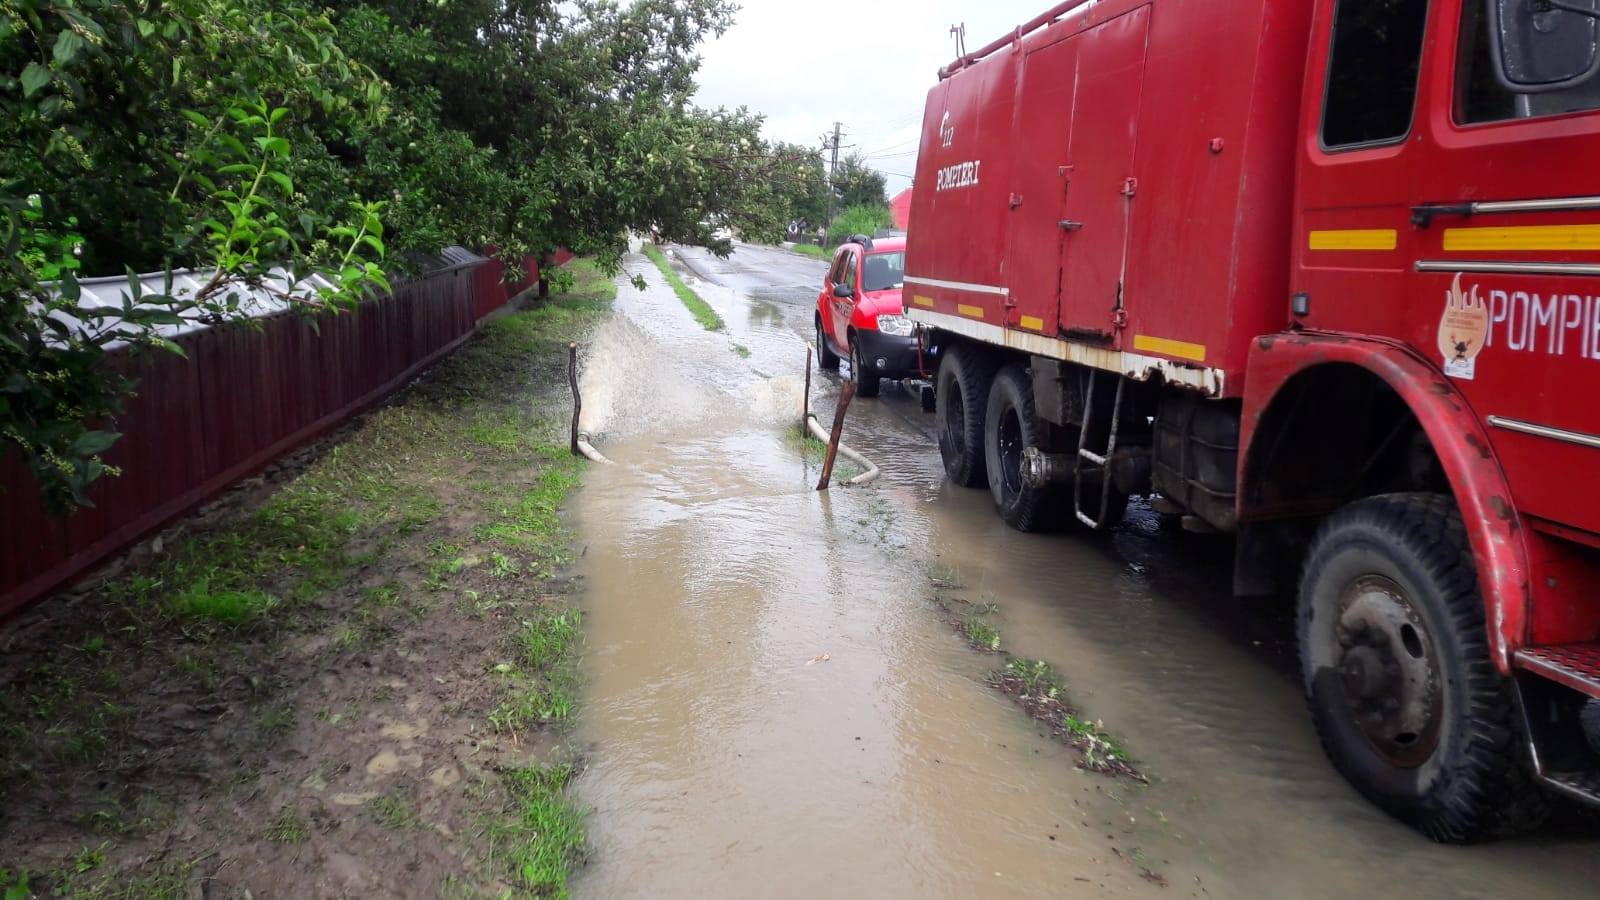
[1544,45]
[843,291]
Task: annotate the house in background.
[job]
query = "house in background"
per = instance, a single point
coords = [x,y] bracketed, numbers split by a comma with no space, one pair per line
[900,209]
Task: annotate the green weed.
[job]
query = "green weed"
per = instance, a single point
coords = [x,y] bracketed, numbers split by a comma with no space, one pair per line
[393,813]
[277,721]
[813,250]
[545,640]
[89,859]
[534,520]
[1041,681]
[232,607]
[503,566]
[288,828]
[503,431]
[542,838]
[534,704]
[982,635]
[14,885]
[699,308]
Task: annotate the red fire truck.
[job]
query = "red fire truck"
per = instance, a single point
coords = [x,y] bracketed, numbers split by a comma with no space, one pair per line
[1325,276]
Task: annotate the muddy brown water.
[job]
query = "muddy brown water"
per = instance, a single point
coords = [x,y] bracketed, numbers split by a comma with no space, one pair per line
[727,759]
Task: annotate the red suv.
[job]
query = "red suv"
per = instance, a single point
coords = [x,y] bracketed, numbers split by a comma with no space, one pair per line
[859,313]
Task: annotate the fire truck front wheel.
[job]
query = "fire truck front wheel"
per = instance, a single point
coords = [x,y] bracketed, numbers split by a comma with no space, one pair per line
[961,396]
[1395,657]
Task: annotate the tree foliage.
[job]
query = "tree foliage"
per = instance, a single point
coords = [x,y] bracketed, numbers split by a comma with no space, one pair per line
[858,184]
[802,180]
[144,136]
[248,137]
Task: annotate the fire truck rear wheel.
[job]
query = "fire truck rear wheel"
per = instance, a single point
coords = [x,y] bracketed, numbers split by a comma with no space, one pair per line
[1012,427]
[1395,657]
[961,396]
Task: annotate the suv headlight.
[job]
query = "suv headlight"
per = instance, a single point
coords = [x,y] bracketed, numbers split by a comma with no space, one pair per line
[895,325]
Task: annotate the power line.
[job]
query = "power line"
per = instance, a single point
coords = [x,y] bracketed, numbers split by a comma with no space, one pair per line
[895,146]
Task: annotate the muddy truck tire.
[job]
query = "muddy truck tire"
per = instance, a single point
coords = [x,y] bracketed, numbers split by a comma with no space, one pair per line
[961,398]
[1011,426]
[1395,658]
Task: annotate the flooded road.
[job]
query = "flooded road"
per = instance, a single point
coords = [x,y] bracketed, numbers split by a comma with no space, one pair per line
[775,707]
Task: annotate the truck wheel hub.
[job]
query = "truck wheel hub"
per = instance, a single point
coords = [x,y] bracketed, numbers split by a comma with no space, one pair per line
[1389,671]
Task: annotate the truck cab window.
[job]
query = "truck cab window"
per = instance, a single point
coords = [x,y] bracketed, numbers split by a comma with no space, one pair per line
[1372,71]
[1481,98]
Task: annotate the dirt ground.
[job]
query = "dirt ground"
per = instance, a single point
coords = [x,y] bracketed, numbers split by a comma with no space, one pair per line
[355,685]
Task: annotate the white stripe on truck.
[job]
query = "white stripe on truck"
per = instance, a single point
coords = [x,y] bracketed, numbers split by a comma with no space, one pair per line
[960,286]
[1134,365]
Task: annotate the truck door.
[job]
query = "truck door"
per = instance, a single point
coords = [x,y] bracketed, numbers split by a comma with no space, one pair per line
[1100,187]
[1355,182]
[1506,278]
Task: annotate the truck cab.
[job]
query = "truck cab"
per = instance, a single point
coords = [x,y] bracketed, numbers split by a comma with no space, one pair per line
[1341,299]
[1447,202]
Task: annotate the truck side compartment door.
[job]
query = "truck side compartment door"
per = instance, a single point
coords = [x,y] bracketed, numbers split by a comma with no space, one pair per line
[1100,193]
[1039,190]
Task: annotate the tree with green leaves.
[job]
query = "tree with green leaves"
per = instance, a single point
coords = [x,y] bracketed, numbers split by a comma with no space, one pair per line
[857,184]
[802,182]
[568,124]
[138,136]
[252,138]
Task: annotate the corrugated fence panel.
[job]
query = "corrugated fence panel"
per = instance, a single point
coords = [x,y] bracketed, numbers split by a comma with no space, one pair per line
[246,394]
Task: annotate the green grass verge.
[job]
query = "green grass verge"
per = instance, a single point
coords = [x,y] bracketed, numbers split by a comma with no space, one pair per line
[445,499]
[542,837]
[812,250]
[700,309]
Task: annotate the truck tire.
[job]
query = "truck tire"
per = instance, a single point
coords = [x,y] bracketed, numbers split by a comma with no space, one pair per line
[961,396]
[1010,426]
[1395,657]
[867,381]
[827,360]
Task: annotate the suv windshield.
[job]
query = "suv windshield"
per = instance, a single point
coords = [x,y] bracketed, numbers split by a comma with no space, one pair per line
[881,271]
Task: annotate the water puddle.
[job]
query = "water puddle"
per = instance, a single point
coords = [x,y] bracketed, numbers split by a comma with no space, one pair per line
[723,758]
[727,757]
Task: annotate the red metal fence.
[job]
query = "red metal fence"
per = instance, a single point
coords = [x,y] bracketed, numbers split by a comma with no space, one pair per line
[244,396]
[492,288]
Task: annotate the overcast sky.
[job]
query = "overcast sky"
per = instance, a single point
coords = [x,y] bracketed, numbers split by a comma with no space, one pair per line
[868,65]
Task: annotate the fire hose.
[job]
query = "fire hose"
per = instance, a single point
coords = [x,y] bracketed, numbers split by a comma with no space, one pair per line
[821,434]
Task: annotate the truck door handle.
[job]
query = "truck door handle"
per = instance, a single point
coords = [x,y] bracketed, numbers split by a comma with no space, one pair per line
[1069,224]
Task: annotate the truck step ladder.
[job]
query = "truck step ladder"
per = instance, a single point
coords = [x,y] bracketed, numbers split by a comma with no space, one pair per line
[1090,461]
[1576,666]
[1573,666]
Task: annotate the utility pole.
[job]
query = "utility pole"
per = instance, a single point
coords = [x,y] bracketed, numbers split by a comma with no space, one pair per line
[831,142]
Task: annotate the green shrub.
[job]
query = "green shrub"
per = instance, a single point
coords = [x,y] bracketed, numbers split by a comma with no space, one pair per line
[858,220]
